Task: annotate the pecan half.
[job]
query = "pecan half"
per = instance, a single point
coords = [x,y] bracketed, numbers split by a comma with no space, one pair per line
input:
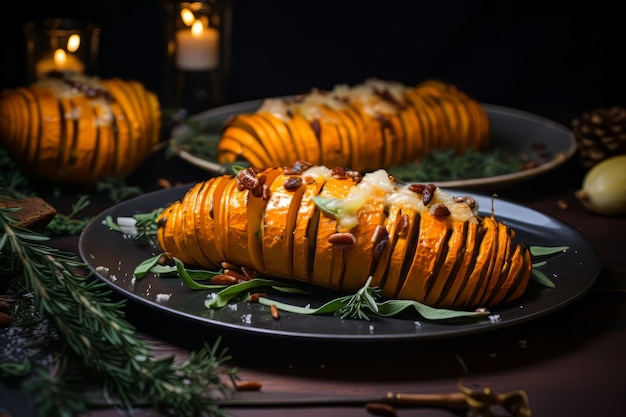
[344,239]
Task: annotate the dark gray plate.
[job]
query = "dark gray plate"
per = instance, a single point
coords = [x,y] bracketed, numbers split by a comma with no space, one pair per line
[115,257]
[543,141]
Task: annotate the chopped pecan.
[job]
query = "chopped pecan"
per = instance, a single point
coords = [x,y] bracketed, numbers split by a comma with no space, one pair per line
[439,210]
[344,239]
[292,183]
[338,172]
[247,178]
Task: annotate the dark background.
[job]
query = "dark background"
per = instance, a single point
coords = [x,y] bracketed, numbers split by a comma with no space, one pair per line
[553,58]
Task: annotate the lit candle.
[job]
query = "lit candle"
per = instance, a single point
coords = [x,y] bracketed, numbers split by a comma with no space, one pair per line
[197,47]
[60,61]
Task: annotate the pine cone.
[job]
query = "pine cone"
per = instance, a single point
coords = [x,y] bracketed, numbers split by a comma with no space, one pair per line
[599,134]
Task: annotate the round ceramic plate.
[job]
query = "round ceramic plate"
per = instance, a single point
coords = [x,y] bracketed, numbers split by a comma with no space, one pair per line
[114,258]
[541,140]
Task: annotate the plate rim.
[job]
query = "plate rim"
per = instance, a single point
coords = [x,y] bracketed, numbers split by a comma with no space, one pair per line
[511,178]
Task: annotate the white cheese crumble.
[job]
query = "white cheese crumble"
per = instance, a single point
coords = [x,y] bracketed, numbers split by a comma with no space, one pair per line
[378,184]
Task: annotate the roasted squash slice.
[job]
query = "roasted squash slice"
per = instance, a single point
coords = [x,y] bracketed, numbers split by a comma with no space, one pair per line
[377,124]
[327,228]
[77,130]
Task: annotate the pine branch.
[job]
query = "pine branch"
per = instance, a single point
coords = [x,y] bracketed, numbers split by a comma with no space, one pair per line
[98,343]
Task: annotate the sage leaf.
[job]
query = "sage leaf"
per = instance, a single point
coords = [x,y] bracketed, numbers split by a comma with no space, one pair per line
[542,279]
[146,266]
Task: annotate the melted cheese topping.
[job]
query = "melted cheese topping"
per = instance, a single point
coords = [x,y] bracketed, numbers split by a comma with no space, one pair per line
[65,90]
[367,95]
[378,184]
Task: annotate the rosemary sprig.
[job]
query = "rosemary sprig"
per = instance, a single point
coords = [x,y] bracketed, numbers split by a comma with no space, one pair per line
[98,345]
[69,224]
[447,165]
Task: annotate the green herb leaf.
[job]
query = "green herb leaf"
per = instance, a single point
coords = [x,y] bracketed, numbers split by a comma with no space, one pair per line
[544,251]
[223,297]
[330,206]
[547,250]
[146,266]
[542,279]
[189,281]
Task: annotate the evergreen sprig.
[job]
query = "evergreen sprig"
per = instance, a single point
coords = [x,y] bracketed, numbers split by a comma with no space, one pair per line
[98,345]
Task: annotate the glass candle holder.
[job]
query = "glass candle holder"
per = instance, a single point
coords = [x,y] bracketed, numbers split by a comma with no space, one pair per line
[60,45]
[198,37]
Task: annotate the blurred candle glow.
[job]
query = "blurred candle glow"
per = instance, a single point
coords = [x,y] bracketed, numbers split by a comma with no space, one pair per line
[187,17]
[197,47]
[73,43]
[60,61]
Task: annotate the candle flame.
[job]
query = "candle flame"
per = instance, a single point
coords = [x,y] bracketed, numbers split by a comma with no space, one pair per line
[60,58]
[187,16]
[73,42]
[197,28]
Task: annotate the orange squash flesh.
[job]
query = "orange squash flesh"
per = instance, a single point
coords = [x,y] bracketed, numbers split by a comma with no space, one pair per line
[206,218]
[373,138]
[286,136]
[170,236]
[391,223]
[247,141]
[310,142]
[341,148]
[255,213]
[251,124]
[49,145]
[453,255]
[521,279]
[330,143]
[34,124]
[83,151]
[280,135]
[359,258]
[231,147]
[360,141]
[482,262]
[211,206]
[328,262]
[430,240]
[68,134]
[124,141]
[442,262]
[490,263]
[409,223]
[194,221]
[221,226]
[500,255]
[106,137]
[128,108]
[468,258]
[188,228]
[234,216]
[278,226]
[351,132]
[165,233]
[365,131]
[307,212]
[135,90]
[77,129]
[135,112]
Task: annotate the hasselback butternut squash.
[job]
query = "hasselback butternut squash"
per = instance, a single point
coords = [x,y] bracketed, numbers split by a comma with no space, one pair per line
[335,228]
[74,129]
[375,125]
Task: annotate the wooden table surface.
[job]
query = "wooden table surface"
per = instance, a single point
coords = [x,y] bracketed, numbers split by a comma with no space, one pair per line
[570,363]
